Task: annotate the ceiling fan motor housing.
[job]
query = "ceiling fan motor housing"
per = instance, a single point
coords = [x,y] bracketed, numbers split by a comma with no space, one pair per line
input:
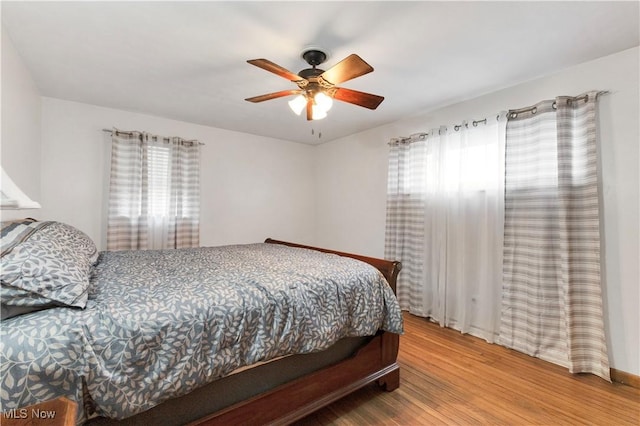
[314,57]
[310,73]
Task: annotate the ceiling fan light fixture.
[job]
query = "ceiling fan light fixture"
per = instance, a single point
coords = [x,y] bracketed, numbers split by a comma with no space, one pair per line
[297,104]
[321,104]
[323,101]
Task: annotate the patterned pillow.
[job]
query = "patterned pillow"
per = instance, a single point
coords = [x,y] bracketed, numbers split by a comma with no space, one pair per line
[45,264]
[79,241]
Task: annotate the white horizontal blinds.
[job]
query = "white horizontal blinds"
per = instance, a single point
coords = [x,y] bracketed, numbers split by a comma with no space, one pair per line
[154,192]
[552,303]
[158,179]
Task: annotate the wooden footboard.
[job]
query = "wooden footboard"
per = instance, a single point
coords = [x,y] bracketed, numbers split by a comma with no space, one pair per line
[303,396]
[390,269]
[375,362]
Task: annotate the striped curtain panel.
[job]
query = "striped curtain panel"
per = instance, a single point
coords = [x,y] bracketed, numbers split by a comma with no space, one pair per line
[154,192]
[405,222]
[552,302]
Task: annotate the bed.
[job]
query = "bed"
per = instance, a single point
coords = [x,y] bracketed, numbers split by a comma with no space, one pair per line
[244,334]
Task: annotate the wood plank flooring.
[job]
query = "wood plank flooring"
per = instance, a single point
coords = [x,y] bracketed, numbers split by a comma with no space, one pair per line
[447,378]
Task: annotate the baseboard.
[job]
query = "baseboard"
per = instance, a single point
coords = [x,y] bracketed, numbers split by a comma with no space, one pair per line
[625,378]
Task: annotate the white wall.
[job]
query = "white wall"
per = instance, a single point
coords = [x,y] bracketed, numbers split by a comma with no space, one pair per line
[20,143]
[351,181]
[251,187]
[332,195]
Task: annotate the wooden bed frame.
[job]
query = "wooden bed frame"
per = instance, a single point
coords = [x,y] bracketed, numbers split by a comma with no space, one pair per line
[375,362]
[297,392]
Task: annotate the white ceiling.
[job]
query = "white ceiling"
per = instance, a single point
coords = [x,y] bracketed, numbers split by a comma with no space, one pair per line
[187,60]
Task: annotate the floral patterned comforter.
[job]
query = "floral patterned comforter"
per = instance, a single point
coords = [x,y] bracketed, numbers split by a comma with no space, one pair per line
[160,323]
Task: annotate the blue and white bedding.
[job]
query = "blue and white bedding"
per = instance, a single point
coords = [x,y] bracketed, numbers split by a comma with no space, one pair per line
[160,323]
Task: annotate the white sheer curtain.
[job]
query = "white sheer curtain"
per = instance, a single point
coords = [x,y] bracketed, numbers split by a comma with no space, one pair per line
[154,192]
[445,213]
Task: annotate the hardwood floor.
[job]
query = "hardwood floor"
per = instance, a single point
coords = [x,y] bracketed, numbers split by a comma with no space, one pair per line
[450,378]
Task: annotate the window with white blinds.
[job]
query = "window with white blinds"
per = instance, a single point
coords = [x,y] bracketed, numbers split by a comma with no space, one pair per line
[159,178]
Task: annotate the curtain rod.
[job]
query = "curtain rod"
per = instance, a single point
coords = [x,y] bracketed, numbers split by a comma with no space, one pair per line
[573,98]
[153,136]
[422,136]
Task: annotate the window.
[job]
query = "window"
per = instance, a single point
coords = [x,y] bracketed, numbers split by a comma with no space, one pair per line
[154,192]
[444,222]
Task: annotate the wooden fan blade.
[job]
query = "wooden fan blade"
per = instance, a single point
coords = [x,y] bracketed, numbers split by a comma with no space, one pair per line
[265,64]
[309,109]
[362,99]
[350,67]
[274,95]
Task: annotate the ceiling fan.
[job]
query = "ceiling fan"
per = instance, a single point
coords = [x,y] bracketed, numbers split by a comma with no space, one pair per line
[316,87]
